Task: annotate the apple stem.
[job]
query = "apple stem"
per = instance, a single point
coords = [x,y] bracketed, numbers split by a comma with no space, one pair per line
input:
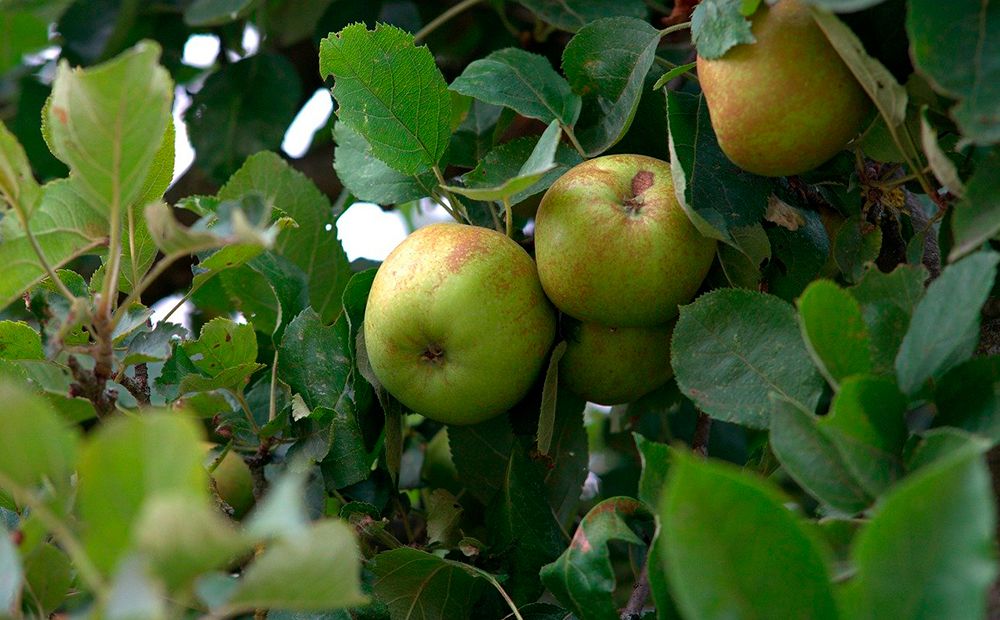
[508,215]
[675,28]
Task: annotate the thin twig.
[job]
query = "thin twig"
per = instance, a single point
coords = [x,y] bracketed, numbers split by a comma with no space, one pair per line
[702,428]
[640,593]
[435,23]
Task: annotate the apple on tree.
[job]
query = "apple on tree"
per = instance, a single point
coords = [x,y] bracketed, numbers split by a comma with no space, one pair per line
[616,365]
[233,481]
[787,103]
[613,245]
[457,326]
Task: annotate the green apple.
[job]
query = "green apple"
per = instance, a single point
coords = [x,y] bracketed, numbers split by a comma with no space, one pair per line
[613,245]
[457,326]
[784,104]
[234,482]
[615,365]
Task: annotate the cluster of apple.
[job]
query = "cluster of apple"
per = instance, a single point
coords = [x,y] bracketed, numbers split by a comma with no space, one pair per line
[460,321]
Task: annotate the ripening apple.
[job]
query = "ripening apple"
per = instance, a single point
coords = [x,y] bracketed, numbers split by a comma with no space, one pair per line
[787,103]
[457,326]
[615,365]
[614,246]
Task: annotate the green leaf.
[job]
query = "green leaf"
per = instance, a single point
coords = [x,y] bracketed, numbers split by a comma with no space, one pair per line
[878,82]
[834,331]
[45,448]
[844,6]
[481,453]
[928,551]
[887,301]
[571,15]
[271,291]
[347,461]
[968,397]
[566,467]
[550,393]
[414,584]
[976,218]
[185,538]
[64,225]
[313,360]
[797,256]
[719,197]
[21,32]
[202,13]
[540,162]
[812,459]
[522,524]
[126,462]
[243,108]
[135,594]
[18,188]
[317,569]
[370,179]
[856,246]
[444,514]
[732,347]
[102,120]
[960,60]
[583,577]
[11,574]
[245,223]
[18,341]
[48,575]
[655,458]
[506,162]
[224,348]
[153,345]
[313,244]
[391,93]
[709,513]
[932,346]
[606,63]
[943,168]
[677,71]
[866,422]
[522,81]
[717,25]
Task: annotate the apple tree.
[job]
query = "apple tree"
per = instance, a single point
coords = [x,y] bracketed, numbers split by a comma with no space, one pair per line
[711,331]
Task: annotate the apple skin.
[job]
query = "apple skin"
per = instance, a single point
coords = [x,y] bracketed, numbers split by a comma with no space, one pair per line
[616,365]
[614,246]
[457,326]
[234,482]
[787,103]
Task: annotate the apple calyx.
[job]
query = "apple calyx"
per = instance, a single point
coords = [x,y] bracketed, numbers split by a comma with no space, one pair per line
[433,354]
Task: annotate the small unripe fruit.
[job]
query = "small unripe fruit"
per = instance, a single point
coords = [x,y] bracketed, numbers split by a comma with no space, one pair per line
[234,483]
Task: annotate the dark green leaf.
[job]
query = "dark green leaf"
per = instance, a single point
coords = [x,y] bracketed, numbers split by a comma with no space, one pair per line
[717,25]
[812,459]
[932,346]
[732,347]
[203,13]
[443,516]
[887,301]
[968,397]
[522,524]
[371,179]
[946,56]
[834,331]
[606,64]
[927,552]
[844,6]
[550,394]
[583,578]
[976,218]
[505,161]
[481,453]
[572,15]
[153,345]
[567,465]
[856,245]
[522,81]
[313,360]
[709,513]
[419,586]
[797,256]
[655,464]
[866,424]
[243,108]
[719,197]
[391,93]
[313,243]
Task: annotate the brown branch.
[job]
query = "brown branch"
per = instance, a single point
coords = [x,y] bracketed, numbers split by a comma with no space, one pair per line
[637,600]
